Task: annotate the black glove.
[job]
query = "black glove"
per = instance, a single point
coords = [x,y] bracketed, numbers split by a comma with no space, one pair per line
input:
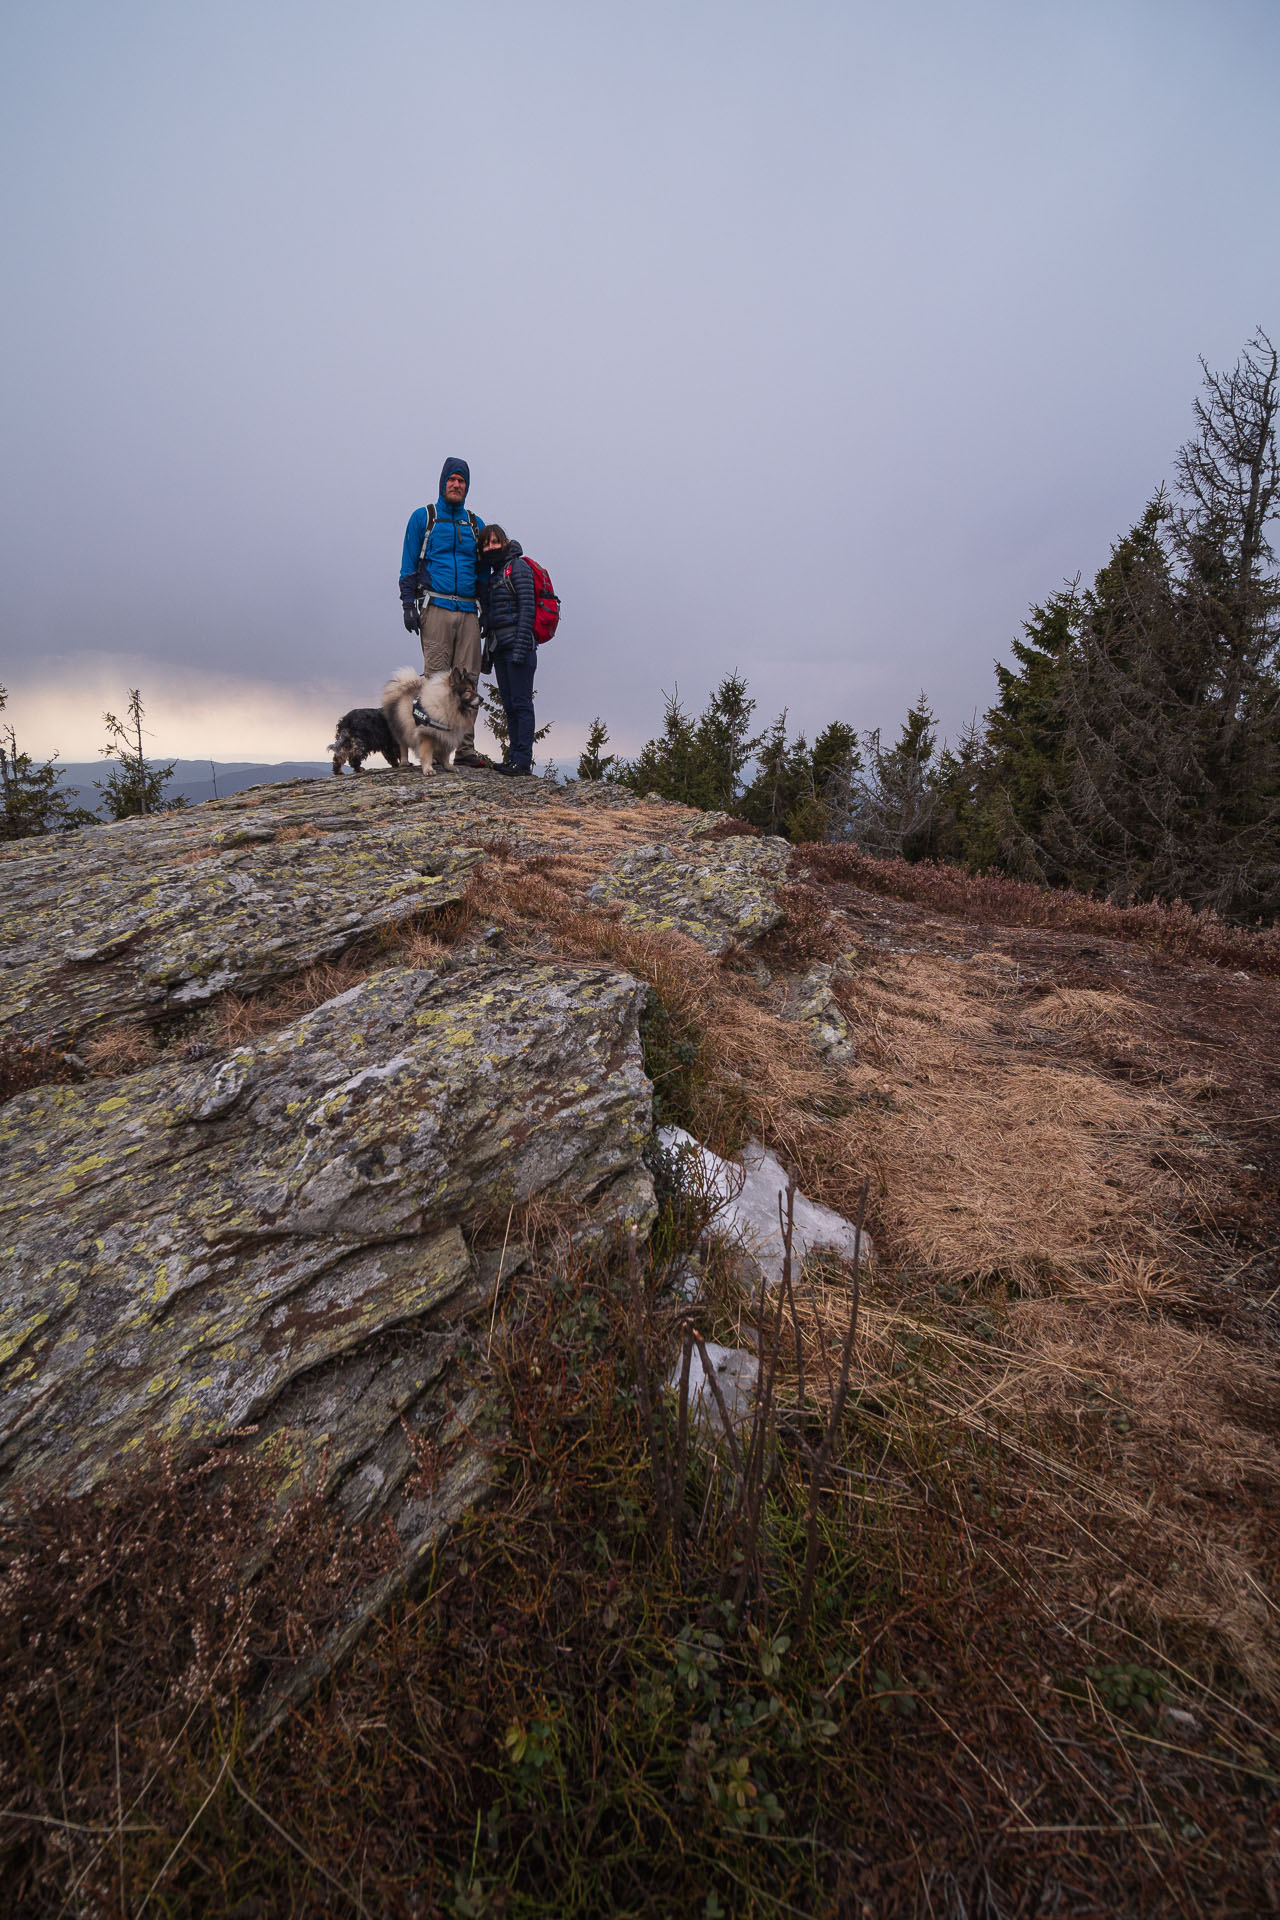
[486,657]
[412,622]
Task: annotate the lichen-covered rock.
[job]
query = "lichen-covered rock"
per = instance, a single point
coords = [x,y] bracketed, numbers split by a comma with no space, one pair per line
[279,1239]
[283,1247]
[717,892]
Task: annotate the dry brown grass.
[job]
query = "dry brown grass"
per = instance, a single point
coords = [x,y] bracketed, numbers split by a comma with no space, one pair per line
[1179,1392]
[120,1049]
[1087,1010]
[577,843]
[418,948]
[236,1019]
[754,1076]
[1135,1450]
[999,1159]
[1177,1427]
[991,1161]
[605,831]
[1192,1085]
[807,932]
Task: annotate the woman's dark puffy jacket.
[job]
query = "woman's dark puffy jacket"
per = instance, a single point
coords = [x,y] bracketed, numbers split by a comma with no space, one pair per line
[508,611]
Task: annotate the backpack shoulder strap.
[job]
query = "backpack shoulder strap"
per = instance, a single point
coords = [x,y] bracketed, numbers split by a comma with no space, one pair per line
[474,524]
[431,520]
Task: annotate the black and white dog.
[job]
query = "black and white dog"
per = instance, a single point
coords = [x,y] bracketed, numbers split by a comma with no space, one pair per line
[358,734]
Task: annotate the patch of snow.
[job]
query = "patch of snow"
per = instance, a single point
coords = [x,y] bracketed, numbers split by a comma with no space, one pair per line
[747,1198]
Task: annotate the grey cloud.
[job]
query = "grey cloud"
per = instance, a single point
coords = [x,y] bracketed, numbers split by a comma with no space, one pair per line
[813,341]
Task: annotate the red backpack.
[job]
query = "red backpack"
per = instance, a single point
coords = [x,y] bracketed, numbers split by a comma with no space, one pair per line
[546,601]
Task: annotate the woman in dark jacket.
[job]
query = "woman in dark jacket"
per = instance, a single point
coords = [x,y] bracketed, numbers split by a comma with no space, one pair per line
[508,630]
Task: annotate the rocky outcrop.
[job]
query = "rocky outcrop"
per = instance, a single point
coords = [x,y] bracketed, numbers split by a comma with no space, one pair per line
[282,1245]
[146,920]
[281,1239]
[149,918]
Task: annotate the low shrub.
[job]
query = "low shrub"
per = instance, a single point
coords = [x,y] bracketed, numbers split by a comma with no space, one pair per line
[1175,930]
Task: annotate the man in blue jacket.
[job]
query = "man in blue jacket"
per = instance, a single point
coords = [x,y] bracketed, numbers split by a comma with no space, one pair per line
[438,582]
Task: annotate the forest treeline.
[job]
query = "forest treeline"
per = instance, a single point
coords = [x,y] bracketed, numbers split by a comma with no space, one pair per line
[1133,750]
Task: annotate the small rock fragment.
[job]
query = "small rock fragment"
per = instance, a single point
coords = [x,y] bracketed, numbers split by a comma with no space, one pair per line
[817,1008]
[737,1373]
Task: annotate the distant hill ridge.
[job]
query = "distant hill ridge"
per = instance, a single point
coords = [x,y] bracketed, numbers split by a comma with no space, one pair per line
[198,779]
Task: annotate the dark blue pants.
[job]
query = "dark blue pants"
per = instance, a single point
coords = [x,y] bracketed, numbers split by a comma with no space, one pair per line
[515,690]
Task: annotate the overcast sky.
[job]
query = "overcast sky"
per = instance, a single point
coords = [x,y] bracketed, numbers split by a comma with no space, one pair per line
[809,339]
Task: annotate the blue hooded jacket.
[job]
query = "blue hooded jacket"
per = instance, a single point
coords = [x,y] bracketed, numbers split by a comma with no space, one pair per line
[447,570]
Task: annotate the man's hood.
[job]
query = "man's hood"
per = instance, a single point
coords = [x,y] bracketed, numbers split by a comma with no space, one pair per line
[455,466]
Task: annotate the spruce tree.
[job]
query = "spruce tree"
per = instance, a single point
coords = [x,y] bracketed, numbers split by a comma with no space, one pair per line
[1020,766]
[592,764]
[1134,748]
[1125,698]
[835,765]
[894,798]
[959,827]
[1228,492]
[669,764]
[33,800]
[725,743]
[783,780]
[798,791]
[699,762]
[1171,698]
[135,785]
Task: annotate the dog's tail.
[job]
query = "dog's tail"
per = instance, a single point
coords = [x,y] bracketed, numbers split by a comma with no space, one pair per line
[403,680]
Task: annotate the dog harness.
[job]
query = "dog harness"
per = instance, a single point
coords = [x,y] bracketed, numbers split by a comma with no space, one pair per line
[423,719]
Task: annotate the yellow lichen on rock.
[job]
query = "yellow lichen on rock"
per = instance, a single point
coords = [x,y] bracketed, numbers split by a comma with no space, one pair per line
[185,1251]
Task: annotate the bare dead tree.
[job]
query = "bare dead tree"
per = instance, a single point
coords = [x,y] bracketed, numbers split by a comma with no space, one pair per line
[1228,480]
[890,797]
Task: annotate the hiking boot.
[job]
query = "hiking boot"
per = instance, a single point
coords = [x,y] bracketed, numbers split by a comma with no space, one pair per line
[517,772]
[472,760]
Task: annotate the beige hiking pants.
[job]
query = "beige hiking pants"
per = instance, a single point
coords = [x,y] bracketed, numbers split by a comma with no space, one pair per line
[451,640]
